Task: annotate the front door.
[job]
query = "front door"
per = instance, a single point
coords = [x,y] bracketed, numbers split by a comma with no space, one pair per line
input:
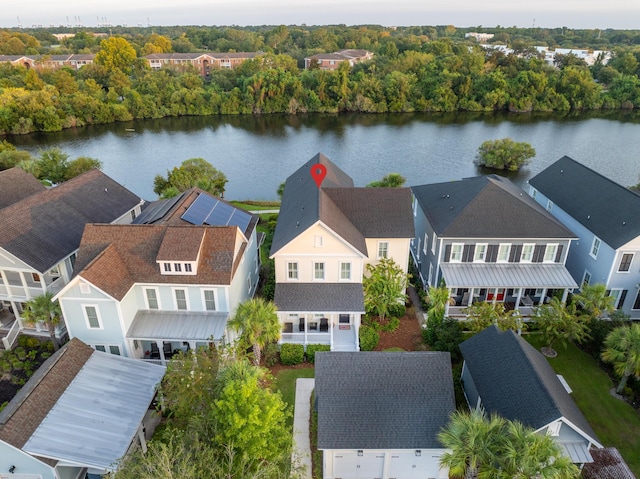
[344,321]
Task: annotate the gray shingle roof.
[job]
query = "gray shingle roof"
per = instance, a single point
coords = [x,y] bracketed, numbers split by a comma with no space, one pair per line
[486,207]
[353,213]
[46,227]
[516,381]
[607,209]
[320,297]
[382,400]
[16,184]
[607,464]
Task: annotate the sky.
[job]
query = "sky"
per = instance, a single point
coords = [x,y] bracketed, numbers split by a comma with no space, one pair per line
[588,14]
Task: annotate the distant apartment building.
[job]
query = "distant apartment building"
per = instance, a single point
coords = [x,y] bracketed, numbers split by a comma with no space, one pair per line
[75,61]
[549,54]
[202,61]
[480,37]
[331,61]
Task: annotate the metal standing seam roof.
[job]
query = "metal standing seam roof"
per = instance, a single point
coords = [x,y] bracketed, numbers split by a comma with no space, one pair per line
[95,420]
[183,326]
[320,297]
[533,275]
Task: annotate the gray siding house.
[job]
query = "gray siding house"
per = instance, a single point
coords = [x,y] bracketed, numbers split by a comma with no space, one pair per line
[489,241]
[379,413]
[606,218]
[503,374]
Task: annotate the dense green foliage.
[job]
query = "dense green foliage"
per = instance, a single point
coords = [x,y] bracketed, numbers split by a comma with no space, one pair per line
[291,354]
[504,154]
[481,446]
[445,335]
[561,322]
[384,286]
[369,338]
[192,172]
[622,349]
[224,421]
[392,180]
[312,349]
[257,323]
[43,309]
[414,69]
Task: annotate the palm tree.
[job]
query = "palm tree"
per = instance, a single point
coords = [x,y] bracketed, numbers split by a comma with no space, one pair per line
[438,299]
[474,441]
[258,324]
[561,322]
[526,454]
[622,348]
[42,308]
[594,300]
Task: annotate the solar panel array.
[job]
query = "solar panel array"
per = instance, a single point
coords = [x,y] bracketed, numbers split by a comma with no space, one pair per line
[206,210]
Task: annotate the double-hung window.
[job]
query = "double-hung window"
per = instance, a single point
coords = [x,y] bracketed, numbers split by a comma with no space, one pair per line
[345,271]
[480,253]
[550,253]
[595,247]
[625,263]
[504,249]
[152,298]
[527,253]
[292,271]
[92,317]
[383,249]
[181,299]
[456,252]
[318,271]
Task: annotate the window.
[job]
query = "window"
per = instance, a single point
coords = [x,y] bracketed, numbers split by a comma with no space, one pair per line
[595,247]
[415,206]
[181,299]
[431,279]
[85,288]
[527,253]
[91,315]
[433,244]
[209,299]
[318,241]
[249,285]
[456,252]
[36,277]
[292,271]
[167,267]
[426,242]
[345,271]
[619,296]
[55,271]
[114,349]
[187,268]
[152,298]
[383,249]
[101,347]
[636,303]
[177,267]
[586,278]
[318,271]
[480,253]
[418,248]
[625,263]
[133,215]
[504,250]
[550,253]
[549,205]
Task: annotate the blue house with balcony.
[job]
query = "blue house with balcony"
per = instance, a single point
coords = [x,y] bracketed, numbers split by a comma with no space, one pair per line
[167,283]
[606,218]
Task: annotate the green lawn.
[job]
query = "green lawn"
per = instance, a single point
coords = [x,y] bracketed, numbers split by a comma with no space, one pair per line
[286,384]
[257,205]
[615,422]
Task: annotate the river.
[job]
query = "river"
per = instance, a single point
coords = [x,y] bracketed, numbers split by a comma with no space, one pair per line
[258,153]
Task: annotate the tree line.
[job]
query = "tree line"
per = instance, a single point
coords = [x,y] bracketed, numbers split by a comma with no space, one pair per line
[442,75]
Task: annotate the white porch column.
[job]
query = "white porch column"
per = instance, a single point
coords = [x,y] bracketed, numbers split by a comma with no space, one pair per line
[446,307]
[143,442]
[543,295]
[356,322]
[306,328]
[470,298]
[43,284]
[24,285]
[5,282]
[565,293]
[495,295]
[331,333]
[161,350]
[64,272]
[518,298]
[14,306]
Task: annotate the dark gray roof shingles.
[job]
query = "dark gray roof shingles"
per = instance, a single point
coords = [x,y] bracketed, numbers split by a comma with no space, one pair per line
[515,381]
[382,400]
[486,207]
[320,297]
[46,227]
[607,209]
[16,184]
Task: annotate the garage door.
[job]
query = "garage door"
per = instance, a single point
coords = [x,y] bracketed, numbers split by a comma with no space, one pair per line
[409,466]
[352,466]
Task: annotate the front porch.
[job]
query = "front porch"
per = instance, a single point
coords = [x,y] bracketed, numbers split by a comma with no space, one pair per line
[339,331]
[11,325]
[519,287]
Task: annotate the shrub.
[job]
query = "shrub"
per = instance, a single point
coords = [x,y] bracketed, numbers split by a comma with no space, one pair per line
[312,349]
[369,338]
[291,354]
[21,353]
[28,342]
[397,310]
[270,354]
[444,336]
[389,325]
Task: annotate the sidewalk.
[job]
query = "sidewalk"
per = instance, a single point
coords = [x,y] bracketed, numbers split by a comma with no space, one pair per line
[301,453]
[417,304]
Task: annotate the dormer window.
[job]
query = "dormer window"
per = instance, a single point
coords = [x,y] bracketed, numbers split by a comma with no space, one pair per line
[177,267]
[187,267]
[167,267]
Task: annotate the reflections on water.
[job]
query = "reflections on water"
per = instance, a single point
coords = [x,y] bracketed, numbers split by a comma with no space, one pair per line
[258,152]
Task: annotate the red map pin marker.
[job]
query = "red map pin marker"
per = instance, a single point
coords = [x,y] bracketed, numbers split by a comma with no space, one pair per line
[318,172]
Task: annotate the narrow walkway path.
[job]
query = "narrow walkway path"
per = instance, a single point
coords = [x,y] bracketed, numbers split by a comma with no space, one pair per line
[301,453]
[417,304]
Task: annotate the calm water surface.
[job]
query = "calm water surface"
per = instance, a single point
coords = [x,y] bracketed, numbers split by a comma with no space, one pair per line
[258,153]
